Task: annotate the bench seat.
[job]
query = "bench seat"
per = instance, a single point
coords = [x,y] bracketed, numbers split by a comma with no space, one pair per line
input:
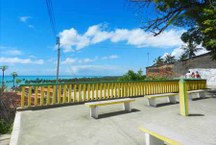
[94,105]
[196,94]
[152,102]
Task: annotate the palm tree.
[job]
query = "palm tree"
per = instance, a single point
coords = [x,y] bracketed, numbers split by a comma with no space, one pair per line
[158,61]
[169,59]
[192,38]
[14,75]
[3,68]
[183,57]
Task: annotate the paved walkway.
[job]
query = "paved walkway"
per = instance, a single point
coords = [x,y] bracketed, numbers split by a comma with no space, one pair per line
[5,139]
[72,125]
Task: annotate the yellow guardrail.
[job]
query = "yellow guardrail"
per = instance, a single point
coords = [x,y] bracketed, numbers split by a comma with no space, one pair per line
[33,95]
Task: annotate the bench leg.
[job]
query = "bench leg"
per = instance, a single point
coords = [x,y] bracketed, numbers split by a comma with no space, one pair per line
[151,102]
[202,94]
[127,106]
[151,140]
[190,96]
[172,99]
[94,112]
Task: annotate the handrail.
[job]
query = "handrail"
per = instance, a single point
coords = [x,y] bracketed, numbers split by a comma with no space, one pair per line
[34,95]
[95,82]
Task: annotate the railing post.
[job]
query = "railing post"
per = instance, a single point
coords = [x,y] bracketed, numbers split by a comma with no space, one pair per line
[183,98]
[22,97]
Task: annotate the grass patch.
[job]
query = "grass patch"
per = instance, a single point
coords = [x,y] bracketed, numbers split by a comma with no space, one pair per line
[5,127]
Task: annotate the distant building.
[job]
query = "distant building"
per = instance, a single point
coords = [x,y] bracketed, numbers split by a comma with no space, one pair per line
[202,63]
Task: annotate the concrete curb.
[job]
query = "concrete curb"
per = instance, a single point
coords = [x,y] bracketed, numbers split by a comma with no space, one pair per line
[16,129]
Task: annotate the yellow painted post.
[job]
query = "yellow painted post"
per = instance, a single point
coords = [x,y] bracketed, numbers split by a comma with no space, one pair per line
[64,94]
[42,96]
[84,92]
[101,90]
[69,93]
[105,90]
[108,89]
[75,93]
[183,98]
[116,90]
[79,92]
[59,94]
[29,96]
[88,92]
[36,96]
[96,91]
[54,95]
[112,90]
[48,95]
[22,97]
[92,91]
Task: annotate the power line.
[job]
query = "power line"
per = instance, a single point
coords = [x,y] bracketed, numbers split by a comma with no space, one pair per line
[51,17]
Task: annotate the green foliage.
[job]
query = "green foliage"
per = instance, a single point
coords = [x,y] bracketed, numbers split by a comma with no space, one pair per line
[207,25]
[169,59]
[189,14]
[14,75]
[183,57]
[132,76]
[158,61]
[193,37]
[5,127]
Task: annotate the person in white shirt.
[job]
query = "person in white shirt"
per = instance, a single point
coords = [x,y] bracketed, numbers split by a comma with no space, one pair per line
[188,75]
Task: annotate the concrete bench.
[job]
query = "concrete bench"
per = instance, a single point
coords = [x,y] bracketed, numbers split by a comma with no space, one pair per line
[160,136]
[94,105]
[196,94]
[152,98]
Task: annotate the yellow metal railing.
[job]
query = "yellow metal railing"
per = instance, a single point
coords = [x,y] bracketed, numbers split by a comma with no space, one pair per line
[50,94]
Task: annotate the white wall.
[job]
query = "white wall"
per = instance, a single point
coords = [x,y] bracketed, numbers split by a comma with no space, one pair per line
[208,74]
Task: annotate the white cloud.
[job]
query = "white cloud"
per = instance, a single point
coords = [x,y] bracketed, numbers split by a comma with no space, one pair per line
[16,60]
[71,40]
[76,60]
[30,26]
[95,68]
[13,52]
[24,18]
[177,52]
[110,57]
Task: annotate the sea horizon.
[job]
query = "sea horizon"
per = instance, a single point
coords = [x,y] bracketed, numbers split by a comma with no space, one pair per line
[8,79]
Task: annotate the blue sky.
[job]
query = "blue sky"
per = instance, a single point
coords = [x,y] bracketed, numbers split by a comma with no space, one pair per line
[100,37]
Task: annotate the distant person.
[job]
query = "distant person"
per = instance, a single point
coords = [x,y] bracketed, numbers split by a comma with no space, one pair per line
[188,75]
[197,75]
[193,75]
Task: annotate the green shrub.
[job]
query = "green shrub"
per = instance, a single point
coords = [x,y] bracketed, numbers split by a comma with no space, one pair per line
[5,127]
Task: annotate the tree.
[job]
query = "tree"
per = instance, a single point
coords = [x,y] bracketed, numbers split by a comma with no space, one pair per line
[132,76]
[3,68]
[14,75]
[193,37]
[18,81]
[169,59]
[158,61]
[183,57]
[183,13]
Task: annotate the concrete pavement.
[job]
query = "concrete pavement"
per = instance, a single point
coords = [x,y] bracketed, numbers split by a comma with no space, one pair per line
[72,125]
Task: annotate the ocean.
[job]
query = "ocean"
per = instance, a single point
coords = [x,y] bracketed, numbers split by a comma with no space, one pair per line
[9,80]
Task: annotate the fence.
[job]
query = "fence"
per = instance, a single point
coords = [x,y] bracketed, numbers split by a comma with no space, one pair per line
[33,95]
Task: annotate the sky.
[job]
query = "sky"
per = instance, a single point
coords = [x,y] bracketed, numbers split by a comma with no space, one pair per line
[98,38]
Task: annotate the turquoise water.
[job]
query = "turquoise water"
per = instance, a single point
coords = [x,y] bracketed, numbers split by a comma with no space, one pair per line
[9,80]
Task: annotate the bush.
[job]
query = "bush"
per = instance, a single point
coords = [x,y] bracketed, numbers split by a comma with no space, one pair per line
[133,76]
[5,127]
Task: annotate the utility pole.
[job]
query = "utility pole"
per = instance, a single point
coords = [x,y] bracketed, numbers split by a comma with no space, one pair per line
[58,61]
